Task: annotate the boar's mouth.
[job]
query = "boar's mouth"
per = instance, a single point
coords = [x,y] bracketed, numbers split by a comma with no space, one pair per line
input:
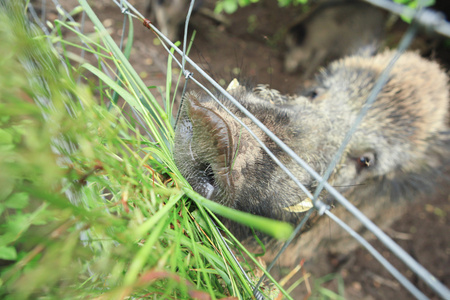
[214,160]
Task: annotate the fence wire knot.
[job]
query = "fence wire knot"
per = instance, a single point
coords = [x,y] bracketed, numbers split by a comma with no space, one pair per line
[188,74]
[125,10]
[321,207]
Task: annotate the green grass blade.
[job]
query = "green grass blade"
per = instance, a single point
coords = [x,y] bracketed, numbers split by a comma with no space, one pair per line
[277,229]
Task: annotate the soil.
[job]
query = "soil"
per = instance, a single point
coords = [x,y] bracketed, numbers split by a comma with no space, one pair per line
[252,49]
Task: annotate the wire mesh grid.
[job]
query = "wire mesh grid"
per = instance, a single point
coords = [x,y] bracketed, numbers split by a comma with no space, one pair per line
[423,17]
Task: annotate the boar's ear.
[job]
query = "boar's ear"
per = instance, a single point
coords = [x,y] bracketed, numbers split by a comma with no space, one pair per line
[214,138]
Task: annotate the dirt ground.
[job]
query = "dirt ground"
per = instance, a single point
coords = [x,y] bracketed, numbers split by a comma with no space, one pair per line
[251,48]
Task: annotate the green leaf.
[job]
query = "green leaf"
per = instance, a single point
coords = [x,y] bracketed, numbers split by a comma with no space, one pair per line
[277,229]
[243,3]
[8,253]
[6,186]
[6,141]
[17,201]
[3,119]
[219,7]
[283,3]
[230,6]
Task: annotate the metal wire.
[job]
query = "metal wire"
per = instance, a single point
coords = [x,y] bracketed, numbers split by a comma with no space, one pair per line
[186,25]
[187,74]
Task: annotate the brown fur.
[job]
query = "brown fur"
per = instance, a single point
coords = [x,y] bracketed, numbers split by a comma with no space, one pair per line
[403,141]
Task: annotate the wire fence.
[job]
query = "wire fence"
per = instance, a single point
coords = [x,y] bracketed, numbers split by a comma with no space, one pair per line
[421,17]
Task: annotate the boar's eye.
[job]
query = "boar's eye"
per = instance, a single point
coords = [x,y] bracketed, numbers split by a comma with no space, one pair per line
[366,160]
[313,93]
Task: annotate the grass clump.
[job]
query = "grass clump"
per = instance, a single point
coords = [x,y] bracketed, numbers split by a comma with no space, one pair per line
[89,206]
